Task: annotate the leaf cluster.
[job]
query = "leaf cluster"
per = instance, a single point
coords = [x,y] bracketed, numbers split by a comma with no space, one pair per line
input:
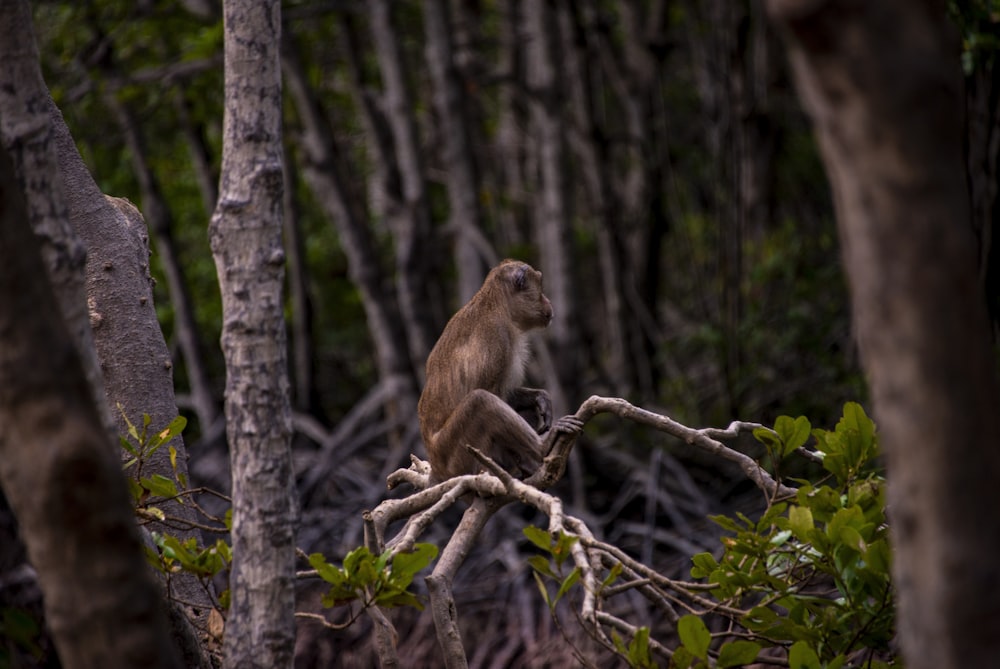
[558,547]
[374,580]
[811,574]
[141,448]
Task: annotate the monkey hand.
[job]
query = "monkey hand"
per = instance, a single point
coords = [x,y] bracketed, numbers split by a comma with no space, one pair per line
[534,406]
[568,425]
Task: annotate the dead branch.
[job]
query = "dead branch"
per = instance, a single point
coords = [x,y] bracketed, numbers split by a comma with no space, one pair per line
[495,488]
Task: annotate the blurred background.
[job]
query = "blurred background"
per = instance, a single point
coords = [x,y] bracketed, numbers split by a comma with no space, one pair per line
[649,157]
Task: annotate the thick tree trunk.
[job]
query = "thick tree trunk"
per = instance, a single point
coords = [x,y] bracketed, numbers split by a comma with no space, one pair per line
[881,81]
[160,220]
[121,332]
[245,235]
[61,475]
[28,135]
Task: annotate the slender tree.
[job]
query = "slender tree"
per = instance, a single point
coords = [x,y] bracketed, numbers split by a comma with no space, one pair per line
[245,235]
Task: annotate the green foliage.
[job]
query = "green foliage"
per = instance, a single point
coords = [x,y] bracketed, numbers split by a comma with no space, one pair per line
[141,448]
[637,651]
[812,573]
[374,580]
[559,548]
[149,493]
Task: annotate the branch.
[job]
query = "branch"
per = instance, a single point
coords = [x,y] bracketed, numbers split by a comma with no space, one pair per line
[489,491]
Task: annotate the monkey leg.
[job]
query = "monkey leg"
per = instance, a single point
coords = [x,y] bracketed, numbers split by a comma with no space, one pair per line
[486,422]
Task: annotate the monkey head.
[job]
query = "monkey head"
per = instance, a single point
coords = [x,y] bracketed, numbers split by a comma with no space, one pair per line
[529,308]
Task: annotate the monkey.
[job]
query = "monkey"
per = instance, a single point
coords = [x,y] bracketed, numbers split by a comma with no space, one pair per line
[472,393]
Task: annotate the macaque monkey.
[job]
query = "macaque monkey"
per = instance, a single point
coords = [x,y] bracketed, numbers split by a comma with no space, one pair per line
[473,394]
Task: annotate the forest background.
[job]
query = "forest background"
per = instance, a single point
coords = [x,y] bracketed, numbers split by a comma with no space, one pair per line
[651,158]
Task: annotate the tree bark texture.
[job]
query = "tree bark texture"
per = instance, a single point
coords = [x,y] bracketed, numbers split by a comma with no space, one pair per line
[324,173]
[122,336]
[245,236]
[552,216]
[28,135]
[411,219]
[62,477]
[882,84]
[466,219]
[157,214]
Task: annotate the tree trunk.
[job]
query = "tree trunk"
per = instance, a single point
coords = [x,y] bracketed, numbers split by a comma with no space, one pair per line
[552,214]
[324,172]
[160,220]
[135,370]
[28,135]
[62,477]
[411,219]
[245,234]
[881,82]
[466,219]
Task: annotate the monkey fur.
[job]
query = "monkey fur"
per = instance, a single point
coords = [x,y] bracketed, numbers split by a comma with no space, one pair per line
[474,373]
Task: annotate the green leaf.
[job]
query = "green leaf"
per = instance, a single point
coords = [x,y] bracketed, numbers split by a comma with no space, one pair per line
[159,485]
[856,418]
[568,583]
[541,565]
[851,537]
[563,547]
[801,656]
[406,565]
[800,522]
[638,650]
[771,441]
[694,635]
[738,653]
[794,433]
[613,574]
[326,571]
[541,538]
[703,565]
[127,445]
[681,659]
[543,590]
[726,523]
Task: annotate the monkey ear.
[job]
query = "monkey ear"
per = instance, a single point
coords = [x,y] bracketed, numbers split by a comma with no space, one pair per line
[520,280]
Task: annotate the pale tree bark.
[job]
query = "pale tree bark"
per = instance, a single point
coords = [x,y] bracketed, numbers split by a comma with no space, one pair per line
[61,476]
[552,212]
[508,143]
[882,84]
[466,218]
[325,174]
[245,235]
[410,218]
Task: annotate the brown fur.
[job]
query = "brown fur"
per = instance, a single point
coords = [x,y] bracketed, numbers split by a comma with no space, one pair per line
[473,394]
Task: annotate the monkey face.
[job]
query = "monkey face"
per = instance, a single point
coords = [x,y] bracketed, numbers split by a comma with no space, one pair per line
[529,307]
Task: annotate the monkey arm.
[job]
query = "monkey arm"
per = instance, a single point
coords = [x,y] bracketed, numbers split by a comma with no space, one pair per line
[534,405]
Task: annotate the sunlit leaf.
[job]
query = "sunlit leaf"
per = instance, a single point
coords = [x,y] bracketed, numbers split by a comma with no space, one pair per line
[694,635]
